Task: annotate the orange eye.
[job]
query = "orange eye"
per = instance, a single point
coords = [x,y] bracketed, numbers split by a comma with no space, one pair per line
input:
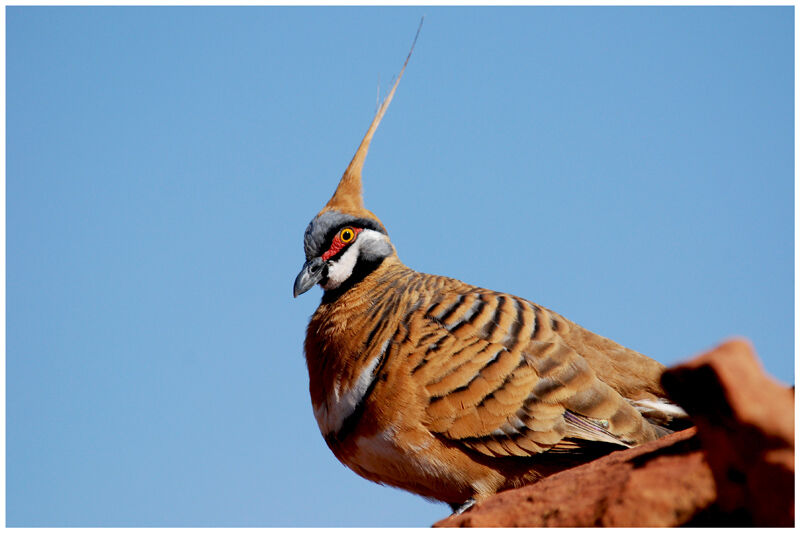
[347,235]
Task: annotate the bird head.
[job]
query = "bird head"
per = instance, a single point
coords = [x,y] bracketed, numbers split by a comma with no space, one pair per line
[346,239]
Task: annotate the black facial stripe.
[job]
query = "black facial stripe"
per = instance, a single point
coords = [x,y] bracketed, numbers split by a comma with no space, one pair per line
[361,270]
[363,223]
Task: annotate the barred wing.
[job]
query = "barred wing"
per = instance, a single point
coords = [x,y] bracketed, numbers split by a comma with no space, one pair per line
[500,380]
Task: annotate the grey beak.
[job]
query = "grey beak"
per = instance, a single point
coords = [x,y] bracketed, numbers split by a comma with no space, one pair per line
[309,276]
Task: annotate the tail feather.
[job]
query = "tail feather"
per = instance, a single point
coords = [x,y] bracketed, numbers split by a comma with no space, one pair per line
[663,415]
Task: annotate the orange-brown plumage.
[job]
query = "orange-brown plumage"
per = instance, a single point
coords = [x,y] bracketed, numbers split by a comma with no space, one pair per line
[445,383]
[448,390]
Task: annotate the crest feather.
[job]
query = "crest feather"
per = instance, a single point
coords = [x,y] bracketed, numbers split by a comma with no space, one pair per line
[348,196]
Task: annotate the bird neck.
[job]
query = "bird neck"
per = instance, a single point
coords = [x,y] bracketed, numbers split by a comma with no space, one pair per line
[337,334]
[364,274]
[356,299]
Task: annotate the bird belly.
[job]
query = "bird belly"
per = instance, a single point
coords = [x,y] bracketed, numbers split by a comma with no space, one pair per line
[408,460]
[389,446]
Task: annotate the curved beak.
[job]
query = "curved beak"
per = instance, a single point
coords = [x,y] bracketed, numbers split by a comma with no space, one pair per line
[309,276]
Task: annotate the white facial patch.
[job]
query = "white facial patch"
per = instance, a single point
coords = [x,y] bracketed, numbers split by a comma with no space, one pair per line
[342,268]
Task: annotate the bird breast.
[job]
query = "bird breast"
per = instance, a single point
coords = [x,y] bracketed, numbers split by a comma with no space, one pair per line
[346,347]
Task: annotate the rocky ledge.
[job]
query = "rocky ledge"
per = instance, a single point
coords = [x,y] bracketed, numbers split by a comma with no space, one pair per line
[734,468]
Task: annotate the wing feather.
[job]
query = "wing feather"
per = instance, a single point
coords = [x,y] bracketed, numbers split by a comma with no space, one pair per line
[500,380]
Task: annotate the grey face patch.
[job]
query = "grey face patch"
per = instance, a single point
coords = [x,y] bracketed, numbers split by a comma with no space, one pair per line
[320,230]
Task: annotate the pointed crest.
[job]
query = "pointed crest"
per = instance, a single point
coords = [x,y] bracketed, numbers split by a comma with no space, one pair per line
[348,196]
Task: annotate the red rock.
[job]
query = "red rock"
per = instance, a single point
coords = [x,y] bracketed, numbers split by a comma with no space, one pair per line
[745,420]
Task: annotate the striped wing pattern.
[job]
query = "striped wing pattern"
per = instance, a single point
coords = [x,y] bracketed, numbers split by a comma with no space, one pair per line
[500,379]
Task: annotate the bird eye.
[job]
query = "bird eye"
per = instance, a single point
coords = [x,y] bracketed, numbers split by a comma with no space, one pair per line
[347,235]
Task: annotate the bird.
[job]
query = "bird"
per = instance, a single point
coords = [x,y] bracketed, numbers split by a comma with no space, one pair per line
[448,390]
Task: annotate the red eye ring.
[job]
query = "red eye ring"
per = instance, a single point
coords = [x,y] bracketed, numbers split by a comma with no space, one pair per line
[342,239]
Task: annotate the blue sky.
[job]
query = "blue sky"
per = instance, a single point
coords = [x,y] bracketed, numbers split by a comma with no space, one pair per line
[629,168]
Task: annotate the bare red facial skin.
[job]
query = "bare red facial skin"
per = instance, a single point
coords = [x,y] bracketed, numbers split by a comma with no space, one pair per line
[337,244]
